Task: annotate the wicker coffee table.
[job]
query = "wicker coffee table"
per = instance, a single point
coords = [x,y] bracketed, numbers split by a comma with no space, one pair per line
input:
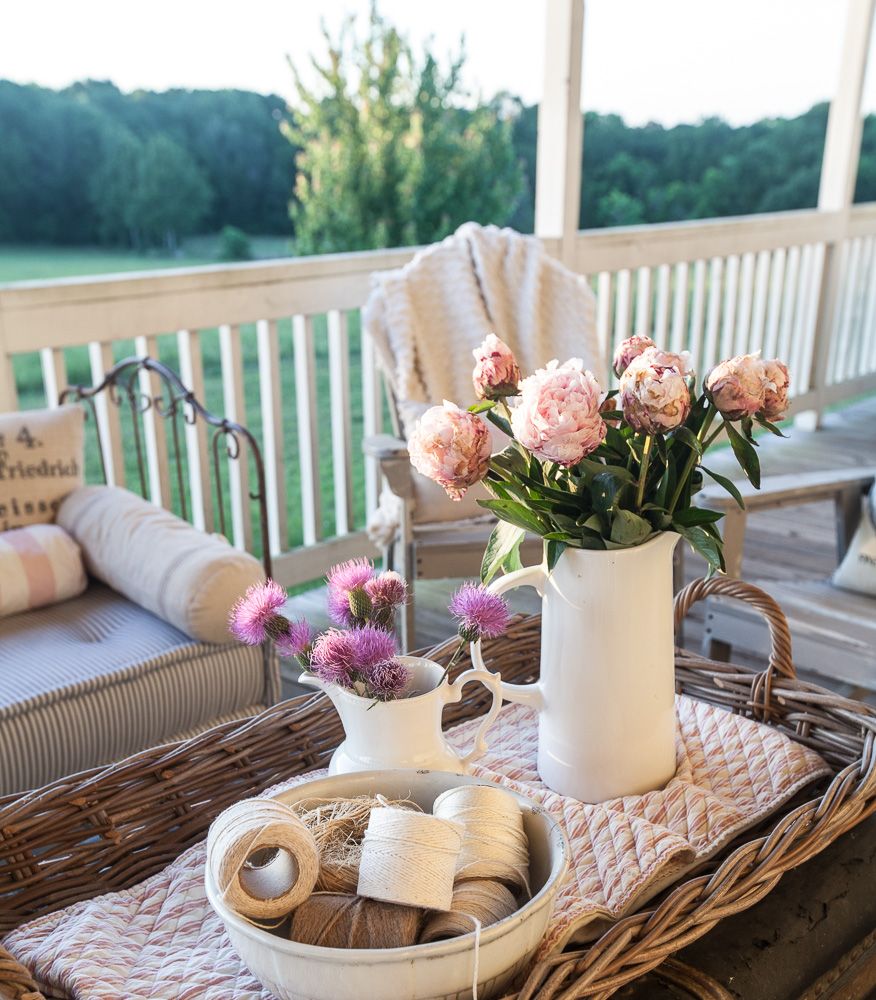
[107,829]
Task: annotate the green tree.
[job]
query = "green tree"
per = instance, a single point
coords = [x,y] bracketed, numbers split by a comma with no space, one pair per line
[171,197]
[388,155]
[114,184]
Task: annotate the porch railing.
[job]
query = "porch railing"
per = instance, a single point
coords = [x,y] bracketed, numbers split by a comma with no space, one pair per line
[277,345]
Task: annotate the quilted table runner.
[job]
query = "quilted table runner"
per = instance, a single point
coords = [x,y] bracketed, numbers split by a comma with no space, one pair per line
[162,939]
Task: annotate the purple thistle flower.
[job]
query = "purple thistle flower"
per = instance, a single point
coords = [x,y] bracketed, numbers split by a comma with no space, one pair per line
[338,604]
[387,679]
[297,642]
[334,657]
[481,614]
[373,645]
[350,575]
[387,590]
[255,616]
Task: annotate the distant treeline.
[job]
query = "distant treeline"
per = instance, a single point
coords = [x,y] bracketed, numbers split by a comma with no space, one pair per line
[90,164]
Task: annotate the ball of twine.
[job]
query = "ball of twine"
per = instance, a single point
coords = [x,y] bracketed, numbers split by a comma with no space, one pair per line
[262,858]
[409,858]
[485,901]
[338,826]
[343,920]
[495,845]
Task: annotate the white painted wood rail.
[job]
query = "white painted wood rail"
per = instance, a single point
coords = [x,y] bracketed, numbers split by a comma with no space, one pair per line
[283,336]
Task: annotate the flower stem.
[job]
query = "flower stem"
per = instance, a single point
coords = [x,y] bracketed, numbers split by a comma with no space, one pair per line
[453,661]
[643,471]
[692,461]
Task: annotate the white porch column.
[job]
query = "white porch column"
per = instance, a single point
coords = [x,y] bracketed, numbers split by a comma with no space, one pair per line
[839,170]
[560,127]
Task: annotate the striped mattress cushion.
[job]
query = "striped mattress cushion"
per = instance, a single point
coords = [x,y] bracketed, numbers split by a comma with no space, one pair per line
[97,678]
[40,564]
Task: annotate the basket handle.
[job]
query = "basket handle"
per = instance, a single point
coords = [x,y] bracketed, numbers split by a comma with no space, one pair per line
[780,637]
[15,977]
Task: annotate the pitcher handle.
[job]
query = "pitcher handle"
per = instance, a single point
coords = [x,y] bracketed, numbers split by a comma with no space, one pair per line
[453,693]
[529,576]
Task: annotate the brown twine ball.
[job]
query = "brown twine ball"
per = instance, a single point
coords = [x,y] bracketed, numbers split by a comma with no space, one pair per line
[338,826]
[487,900]
[343,920]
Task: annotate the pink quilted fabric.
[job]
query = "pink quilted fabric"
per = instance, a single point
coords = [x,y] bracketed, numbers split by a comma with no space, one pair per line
[161,939]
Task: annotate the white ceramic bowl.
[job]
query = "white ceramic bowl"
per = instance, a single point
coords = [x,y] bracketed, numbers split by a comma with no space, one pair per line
[435,971]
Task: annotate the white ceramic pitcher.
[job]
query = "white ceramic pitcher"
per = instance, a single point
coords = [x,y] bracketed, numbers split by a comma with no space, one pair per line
[606,693]
[406,732]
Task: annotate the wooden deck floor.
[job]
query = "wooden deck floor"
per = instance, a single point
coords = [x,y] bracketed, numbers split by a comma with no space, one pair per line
[792,543]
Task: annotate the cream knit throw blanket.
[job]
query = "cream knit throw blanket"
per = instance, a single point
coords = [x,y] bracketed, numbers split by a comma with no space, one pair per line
[427,317]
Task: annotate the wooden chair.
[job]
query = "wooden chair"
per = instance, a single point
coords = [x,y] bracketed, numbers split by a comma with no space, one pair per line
[833,630]
[424,321]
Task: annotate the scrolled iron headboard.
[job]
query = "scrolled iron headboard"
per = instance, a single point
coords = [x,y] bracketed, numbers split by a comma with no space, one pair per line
[174,402]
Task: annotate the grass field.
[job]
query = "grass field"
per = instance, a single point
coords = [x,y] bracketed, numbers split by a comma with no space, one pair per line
[32,263]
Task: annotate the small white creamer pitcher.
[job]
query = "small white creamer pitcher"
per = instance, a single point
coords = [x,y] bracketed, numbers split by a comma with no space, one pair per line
[406,732]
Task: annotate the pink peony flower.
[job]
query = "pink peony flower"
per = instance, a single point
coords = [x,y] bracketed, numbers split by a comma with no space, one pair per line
[557,416]
[776,396]
[452,447]
[738,386]
[496,372]
[628,349]
[654,397]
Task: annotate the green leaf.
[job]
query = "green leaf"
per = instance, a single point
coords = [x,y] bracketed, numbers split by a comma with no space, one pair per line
[515,513]
[553,549]
[687,437]
[745,454]
[695,516]
[501,550]
[771,427]
[728,485]
[500,422]
[629,529]
[606,488]
[482,406]
[706,545]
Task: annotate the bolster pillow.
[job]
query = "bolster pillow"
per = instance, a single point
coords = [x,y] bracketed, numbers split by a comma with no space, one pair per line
[157,560]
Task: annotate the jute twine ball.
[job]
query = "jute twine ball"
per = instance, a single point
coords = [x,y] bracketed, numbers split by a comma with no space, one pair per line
[338,826]
[343,920]
[485,900]
[409,858]
[495,845]
[262,858]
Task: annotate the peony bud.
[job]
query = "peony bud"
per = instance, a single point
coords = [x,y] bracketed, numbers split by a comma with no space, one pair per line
[738,386]
[628,349]
[655,398]
[496,372]
[452,447]
[776,396]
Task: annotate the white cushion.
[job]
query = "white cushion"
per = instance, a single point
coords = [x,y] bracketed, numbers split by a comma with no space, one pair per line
[39,565]
[857,571]
[157,560]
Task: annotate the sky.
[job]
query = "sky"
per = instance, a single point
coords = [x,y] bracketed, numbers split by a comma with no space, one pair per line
[667,61]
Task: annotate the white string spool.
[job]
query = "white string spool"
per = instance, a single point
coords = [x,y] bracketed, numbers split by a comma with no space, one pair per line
[495,844]
[409,858]
[262,858]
